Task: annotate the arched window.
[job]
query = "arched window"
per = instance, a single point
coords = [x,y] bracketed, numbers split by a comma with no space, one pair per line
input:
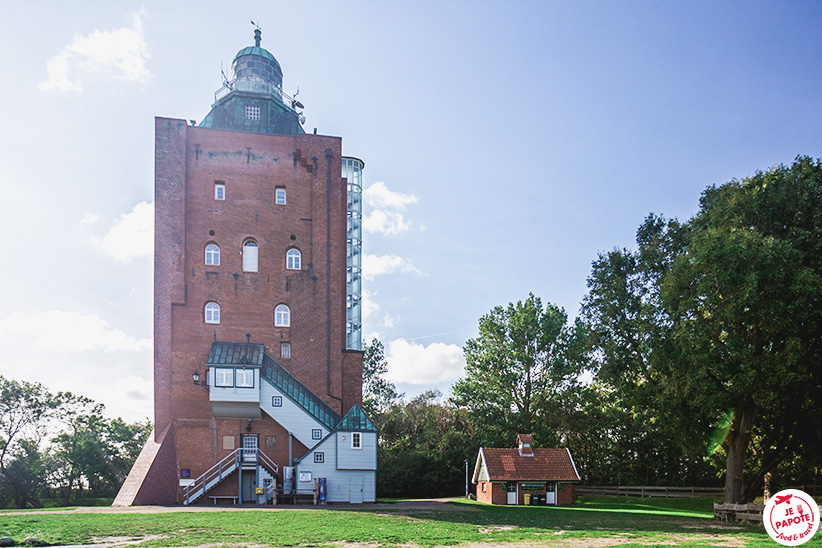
[282,316]
[293,259]
[212,312]
[250,254]
[212,255]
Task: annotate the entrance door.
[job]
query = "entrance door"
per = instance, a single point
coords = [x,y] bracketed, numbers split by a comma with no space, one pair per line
[355,490]
[250,444]
[551,493]
[249,493]
[511,488]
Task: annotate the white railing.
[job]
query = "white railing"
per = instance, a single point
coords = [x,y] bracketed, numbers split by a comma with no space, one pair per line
[224,468]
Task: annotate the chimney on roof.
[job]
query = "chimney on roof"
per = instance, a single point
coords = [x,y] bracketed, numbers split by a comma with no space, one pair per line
[524,442]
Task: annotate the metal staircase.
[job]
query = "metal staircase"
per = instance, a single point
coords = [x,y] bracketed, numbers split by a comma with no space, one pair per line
[240,457]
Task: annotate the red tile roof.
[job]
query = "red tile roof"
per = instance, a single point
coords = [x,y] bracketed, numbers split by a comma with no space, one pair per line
[544,465]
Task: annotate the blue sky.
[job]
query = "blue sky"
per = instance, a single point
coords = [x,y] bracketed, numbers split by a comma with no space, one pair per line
[506,144]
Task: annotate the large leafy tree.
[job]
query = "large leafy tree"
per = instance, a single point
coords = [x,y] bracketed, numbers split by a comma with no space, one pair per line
[721,317]
[378,393]
[516,371]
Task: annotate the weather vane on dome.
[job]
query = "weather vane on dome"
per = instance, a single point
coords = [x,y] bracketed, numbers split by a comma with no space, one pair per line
[257,34]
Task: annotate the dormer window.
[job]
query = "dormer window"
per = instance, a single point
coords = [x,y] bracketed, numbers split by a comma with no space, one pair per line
[252,113]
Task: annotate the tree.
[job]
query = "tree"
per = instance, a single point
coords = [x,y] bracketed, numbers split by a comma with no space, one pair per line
[378,393]
[24,408]
[722,315]
[517,370]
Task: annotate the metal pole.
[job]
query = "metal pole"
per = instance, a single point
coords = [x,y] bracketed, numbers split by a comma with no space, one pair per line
[466,478]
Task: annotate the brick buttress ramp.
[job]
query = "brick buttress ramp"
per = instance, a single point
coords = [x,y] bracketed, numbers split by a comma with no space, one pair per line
[152,479]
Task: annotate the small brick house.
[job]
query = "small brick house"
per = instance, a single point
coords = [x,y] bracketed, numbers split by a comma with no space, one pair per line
[506,476]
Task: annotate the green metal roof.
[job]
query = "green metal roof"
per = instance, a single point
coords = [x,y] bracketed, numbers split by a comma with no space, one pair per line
[234,353]
[294,389]
[356,421]
[254,50]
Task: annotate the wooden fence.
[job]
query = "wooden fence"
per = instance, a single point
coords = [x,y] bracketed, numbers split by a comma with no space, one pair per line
[650,491]
[736,512]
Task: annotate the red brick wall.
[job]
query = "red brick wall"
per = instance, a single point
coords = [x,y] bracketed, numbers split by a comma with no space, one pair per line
[188,161]
[566,495]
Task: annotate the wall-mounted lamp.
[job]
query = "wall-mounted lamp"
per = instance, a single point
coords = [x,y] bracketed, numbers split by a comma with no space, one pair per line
[196,378]
[248,426]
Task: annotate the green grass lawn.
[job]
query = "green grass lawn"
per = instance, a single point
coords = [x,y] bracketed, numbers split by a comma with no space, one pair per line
[605,521]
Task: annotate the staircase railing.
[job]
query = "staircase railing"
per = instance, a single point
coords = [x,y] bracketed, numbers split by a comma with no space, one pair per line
[215,472]
[226,466]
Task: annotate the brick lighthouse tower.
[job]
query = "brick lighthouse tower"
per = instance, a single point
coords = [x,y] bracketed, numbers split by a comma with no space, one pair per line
[257,322]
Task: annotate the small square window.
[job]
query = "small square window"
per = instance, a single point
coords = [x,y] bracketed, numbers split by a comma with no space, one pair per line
[285,350]
[276,401]
[279,196]
[219,191]
[252,113]
[356,440]
[319,457]
[186,472]
[316,434]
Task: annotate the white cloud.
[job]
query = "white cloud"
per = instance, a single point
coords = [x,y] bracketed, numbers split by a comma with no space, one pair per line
[61,331]
[412,363]
[378,196]
[132,236]
[120,53]
[386,206]
[90,219]
[377,265]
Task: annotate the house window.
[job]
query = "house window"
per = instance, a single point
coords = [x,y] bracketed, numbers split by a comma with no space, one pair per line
[279,195]
[285,350]
[250,254]
[319,457]
[252,113]
[293,259]
[483,487]
[212,255]
[219,191]
[212,312]
[282,316]
[316,434]
[276,401]
[356,440]
[223,376]
[271,443]
[245,378]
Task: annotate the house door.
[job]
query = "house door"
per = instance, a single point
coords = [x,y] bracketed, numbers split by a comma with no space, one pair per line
[355,490]
[250,444]
[249,493]
[511,488]
[550,493]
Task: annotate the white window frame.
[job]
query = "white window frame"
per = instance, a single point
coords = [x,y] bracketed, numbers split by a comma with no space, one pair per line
[244,378]
[212,255]
[279,195]
[356,440]
[319,457]
[316,434]
[211,313]
[293,259]
[252,113]
[251,255]
[224,377]
[219,191]
[282,316]
[276,401]
[285,350]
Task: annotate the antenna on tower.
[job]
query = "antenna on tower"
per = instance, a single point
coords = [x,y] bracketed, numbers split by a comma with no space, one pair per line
[225,78]
[257,34]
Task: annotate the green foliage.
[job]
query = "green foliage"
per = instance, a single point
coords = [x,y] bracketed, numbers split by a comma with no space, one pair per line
[377,392]
[721,314]
[517,371]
